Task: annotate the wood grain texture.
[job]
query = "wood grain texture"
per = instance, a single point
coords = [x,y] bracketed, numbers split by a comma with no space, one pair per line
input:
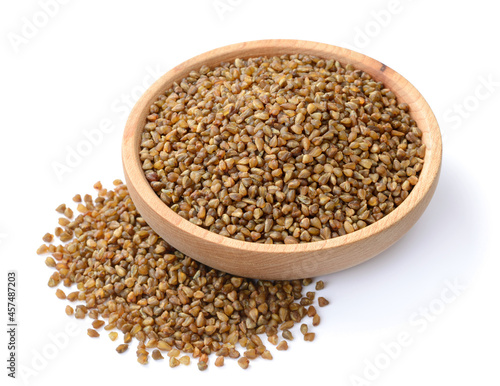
[282,261]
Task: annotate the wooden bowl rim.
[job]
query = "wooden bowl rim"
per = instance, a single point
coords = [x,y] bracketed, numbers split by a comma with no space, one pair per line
[430,171]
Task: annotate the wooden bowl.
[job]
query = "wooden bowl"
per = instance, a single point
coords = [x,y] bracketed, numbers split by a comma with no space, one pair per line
[280,261]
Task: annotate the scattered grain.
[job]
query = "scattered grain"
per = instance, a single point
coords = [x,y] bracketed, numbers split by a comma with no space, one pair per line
[97,324]
[243,362]
[166,301]
[320,285]
[156,355]
[143,359]
[48,237]
[287,335]
[92,333]
[60,294]
[122,348]
[282,346]
[219,362]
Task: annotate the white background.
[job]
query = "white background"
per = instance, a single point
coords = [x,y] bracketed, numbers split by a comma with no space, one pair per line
[84,63]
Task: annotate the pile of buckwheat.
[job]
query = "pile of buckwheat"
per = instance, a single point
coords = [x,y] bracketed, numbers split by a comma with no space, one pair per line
[282,149]
[130,280]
